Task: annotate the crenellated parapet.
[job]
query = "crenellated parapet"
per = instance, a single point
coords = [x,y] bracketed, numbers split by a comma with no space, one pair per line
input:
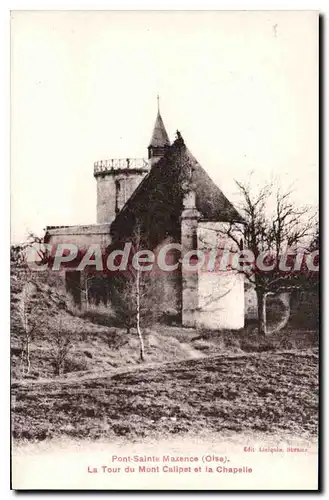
[117,179]
[116,164]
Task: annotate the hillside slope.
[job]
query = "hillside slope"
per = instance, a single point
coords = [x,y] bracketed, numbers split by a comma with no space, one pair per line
[269,392]
[97,346]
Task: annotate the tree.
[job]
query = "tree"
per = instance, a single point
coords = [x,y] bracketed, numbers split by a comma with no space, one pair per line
[274,231]
[17,257]
[37,242]
[315,242]
[134,294]
[29,323]
[62,345]
[85,289]
[127,294]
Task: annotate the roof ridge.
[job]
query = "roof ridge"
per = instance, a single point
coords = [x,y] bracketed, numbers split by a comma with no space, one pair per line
[210,199]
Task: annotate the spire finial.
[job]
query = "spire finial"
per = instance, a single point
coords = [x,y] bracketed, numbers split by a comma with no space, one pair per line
[158,99]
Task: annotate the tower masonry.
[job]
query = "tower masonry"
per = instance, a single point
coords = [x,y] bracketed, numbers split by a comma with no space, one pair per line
[117,179]
[175,201]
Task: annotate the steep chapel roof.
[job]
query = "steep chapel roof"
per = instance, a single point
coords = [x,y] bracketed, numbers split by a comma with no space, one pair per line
[210,200]
[158,200]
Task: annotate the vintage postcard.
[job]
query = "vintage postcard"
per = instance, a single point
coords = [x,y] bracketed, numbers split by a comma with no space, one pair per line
[164,250]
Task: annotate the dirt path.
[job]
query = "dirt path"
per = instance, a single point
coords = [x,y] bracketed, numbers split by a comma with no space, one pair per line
[191,352]
[268,392]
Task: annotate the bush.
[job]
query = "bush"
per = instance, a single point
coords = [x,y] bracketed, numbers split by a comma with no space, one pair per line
[100,316]
[75,365]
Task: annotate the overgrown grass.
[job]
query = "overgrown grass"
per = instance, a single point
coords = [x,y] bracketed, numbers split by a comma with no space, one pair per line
[241,381]
[99,345]
[267,392]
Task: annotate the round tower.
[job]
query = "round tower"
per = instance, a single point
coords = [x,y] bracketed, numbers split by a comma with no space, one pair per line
[116,179]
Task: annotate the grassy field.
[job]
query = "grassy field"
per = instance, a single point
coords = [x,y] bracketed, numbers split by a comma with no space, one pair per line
[191,382]
[269,392]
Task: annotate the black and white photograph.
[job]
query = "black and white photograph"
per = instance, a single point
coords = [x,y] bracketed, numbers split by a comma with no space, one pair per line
[164,254]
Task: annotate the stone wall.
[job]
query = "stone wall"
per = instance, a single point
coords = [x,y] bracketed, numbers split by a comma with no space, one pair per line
[169,282]
[190,278]
[106,193]
[82,236]
[220,292]
[125,186]
[114,188]
[278,308]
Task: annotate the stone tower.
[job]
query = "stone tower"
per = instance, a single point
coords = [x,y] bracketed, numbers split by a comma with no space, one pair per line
[117,179]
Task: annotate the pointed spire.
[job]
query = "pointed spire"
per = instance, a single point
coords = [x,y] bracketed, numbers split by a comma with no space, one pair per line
[160,137]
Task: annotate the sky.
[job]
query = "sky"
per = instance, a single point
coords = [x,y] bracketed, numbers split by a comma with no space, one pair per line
[241,87]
